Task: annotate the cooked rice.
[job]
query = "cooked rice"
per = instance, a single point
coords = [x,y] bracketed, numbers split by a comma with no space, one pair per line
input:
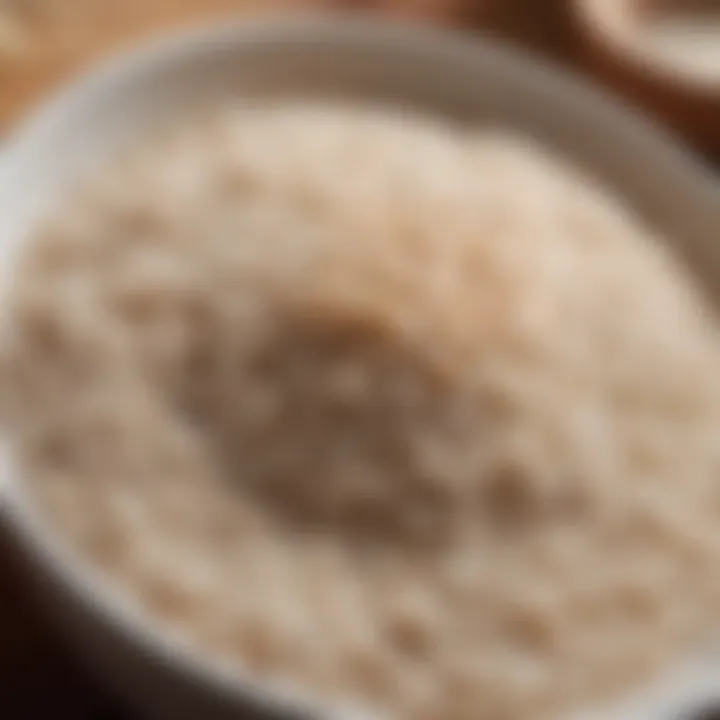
[389,411]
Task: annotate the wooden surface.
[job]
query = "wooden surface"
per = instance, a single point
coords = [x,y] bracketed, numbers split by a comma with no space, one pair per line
[38,676]
[46,41]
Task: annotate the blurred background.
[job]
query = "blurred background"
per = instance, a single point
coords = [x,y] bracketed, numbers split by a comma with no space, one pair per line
[661,56]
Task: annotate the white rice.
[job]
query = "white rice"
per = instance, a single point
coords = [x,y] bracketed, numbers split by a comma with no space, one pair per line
[394,412]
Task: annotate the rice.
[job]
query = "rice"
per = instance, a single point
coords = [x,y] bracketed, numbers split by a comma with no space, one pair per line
[374,407]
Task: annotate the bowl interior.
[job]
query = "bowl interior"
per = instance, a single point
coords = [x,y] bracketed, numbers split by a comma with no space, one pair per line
[474,82]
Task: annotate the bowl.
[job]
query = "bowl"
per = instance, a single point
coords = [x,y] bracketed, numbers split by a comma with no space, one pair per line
[474,81]
[657,54]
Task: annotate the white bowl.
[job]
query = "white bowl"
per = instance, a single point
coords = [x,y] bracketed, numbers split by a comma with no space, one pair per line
[471,79]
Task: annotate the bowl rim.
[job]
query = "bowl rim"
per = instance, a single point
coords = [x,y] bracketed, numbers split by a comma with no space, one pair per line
[614,27]
[86,585]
